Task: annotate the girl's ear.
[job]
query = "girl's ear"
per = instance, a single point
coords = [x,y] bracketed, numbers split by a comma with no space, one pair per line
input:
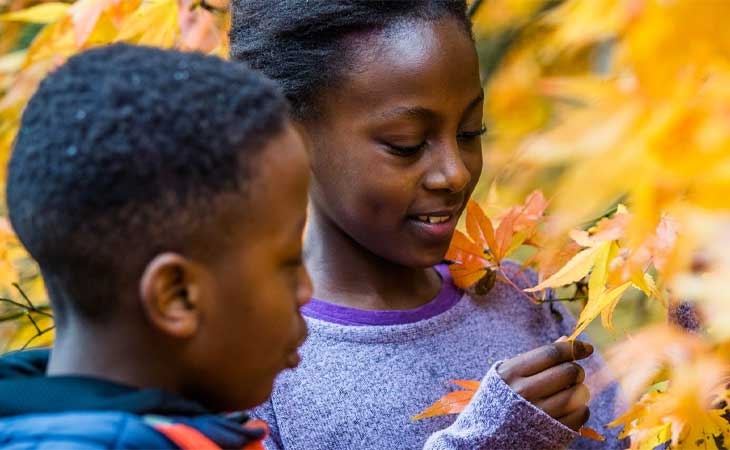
[170,294]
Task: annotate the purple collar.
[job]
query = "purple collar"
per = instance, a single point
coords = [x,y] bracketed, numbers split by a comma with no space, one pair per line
[343,315]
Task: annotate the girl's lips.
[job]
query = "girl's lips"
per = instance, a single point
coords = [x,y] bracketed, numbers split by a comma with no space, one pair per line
[435,228]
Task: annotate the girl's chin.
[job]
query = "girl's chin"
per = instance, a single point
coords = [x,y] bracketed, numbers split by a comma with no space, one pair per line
[424,258]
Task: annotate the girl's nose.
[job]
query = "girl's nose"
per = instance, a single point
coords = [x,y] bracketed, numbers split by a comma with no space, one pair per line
[448,171]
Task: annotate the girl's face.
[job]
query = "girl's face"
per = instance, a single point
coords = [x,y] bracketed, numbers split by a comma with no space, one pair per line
[397,148]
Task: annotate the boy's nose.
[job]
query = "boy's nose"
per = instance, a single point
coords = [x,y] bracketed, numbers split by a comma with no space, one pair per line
[304,289]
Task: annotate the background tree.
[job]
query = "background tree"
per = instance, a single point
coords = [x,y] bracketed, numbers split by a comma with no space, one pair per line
[617,109]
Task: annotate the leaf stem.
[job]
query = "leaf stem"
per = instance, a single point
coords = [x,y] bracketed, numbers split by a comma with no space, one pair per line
[563,299]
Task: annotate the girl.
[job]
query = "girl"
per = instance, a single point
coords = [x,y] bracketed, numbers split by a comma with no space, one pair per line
[390,94]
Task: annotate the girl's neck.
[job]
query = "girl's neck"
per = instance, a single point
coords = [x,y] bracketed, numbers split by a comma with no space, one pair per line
[346,273]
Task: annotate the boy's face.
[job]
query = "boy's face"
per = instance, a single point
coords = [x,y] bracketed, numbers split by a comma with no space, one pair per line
[251,329]
[397,152]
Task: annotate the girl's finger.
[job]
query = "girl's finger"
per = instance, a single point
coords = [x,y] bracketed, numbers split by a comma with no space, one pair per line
[565,401]
[541,358]
[576,419]
[549,382]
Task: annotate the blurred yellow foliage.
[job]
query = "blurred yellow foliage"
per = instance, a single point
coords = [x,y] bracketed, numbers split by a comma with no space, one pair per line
[598,102]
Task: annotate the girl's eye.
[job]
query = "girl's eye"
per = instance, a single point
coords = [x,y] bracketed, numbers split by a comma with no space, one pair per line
[405,151]
[467,135]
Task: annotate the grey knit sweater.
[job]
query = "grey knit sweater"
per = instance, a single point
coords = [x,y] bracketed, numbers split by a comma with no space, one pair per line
[365,374]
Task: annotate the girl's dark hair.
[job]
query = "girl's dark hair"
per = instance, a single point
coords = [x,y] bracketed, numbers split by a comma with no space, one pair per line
[303,44]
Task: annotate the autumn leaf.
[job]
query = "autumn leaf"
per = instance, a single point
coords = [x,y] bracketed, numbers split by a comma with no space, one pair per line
[477,257]
[451,403]
[575,269]
[681,414]
[470,262]
[42,13]
[604,303]
[154,23]
[590,433]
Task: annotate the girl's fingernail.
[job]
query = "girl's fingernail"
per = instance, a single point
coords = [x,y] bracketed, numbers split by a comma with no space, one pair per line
[578,348]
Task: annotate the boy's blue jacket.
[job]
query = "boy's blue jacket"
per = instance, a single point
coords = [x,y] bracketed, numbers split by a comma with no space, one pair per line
[40,412]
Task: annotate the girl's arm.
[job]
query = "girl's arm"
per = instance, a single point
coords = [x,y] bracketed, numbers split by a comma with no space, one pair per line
[500,418]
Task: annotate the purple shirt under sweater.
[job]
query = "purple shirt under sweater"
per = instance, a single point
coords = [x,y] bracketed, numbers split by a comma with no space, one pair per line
[364,374]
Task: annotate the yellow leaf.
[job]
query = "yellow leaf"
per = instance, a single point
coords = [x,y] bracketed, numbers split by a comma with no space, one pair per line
[43,13]
[155,23]
[595,307]
[574,270]
[607,313]
[86,15]
[655,436]
[49,48]
[599,274]
[12,62]
[645,282]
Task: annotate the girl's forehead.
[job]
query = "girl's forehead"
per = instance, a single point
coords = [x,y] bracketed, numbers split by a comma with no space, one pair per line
[410,43]
[412,63]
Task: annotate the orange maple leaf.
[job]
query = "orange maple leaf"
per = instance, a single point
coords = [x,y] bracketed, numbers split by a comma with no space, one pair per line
[477,256]
[590,433]
[451,403]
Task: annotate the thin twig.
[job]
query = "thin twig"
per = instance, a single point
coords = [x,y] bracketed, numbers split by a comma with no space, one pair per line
[30,307]
[505,278]
[563,299]
[22,294]
[14,303]
[12,316]
[32,320]
[40,333]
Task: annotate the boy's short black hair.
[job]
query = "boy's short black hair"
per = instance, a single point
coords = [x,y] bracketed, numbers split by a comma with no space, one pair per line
[125,152]
[304,45]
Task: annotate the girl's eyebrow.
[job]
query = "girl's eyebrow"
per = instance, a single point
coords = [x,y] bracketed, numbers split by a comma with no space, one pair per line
[419,112]
[415,112]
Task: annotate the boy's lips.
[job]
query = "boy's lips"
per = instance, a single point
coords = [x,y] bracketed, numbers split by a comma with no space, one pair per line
[293,358]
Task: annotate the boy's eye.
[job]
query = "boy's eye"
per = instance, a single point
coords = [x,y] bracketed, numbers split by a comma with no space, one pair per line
[466,135]
[294,262]
[405,151]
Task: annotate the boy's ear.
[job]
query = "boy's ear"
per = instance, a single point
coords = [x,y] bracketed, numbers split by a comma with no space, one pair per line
[170,293]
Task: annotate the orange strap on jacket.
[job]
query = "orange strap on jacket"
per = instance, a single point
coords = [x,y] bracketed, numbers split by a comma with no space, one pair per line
[188,438]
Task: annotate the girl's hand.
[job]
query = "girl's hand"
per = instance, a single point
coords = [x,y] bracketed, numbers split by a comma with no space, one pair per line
[549,378]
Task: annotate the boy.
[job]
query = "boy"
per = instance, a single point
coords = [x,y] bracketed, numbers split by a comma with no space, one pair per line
[163,195]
